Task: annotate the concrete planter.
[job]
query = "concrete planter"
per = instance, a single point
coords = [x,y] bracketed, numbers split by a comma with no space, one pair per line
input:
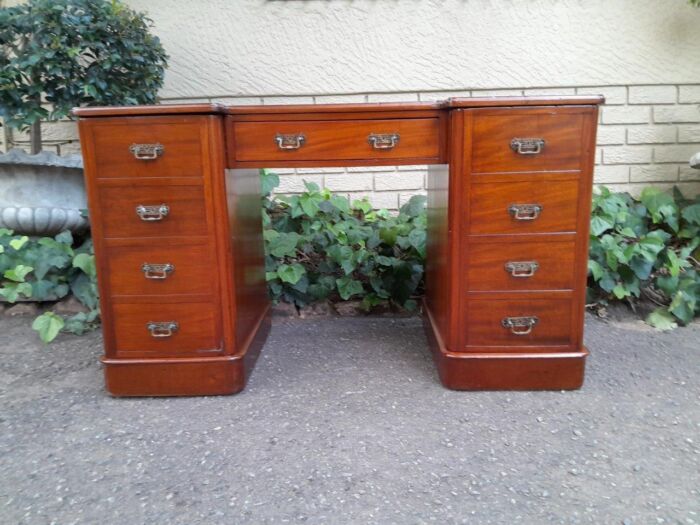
[42,194]
[695,161]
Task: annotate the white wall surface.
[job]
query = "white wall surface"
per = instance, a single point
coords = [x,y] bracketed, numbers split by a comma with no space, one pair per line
[315,47]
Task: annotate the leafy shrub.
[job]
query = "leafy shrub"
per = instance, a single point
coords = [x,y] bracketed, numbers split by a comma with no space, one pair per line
[48,269]
[56,54]
[647,247]
[320,246]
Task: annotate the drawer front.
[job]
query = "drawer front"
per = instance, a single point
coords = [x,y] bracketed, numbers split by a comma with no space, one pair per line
[148,147]
[507,265]
[161,270]
[195,330]
[509,322]
[120,207]
[337,140]
[523,207]
[535,140]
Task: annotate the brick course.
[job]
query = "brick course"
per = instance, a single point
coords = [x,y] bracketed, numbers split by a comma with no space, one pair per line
[646,136]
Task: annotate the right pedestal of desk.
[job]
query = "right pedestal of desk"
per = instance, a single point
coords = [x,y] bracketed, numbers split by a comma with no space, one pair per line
[508,222]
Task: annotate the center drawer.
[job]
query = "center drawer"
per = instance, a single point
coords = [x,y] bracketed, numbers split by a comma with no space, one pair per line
[337,140]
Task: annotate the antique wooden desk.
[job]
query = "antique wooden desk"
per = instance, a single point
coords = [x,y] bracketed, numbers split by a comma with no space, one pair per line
[174,198]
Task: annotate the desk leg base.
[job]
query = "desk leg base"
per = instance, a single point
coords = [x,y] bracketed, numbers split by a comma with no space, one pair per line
[503,371]
[196,376]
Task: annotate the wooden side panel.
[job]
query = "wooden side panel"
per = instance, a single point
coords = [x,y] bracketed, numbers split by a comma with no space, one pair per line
[243,194]
[438,253]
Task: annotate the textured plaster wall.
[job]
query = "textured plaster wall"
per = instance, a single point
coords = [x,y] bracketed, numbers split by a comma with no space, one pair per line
[292,47]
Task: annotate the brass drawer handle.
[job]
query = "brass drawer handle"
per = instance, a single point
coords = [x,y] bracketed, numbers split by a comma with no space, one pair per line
[522,268]
[383,140]
[519,325]
[152,213]
[525,212]
[527,146]
[147,151]
[291,141]
[157,271]
[163,328]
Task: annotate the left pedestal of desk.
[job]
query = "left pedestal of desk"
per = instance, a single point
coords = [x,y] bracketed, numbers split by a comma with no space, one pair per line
[178,245]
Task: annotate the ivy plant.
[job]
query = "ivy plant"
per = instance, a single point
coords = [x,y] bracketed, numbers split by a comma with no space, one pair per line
[48,269]
[321,246]
[57,54]
[647,247]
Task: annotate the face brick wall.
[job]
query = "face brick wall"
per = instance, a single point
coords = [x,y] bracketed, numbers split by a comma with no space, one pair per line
[646,135]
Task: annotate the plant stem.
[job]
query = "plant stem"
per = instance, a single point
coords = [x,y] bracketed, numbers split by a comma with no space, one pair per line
[35,137]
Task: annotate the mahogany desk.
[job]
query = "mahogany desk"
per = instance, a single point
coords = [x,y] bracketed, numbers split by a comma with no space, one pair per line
[174,199]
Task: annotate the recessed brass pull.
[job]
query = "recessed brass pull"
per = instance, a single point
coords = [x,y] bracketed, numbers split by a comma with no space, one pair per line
[383,140]
[152,213]
[147,151]
[525,212]
[521,268]
[157,271]
[519,325]
[290,141]
[527,146]
[162,328]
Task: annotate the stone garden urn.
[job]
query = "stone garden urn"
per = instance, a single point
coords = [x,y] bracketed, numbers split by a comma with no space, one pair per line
[695,161]
[42,194]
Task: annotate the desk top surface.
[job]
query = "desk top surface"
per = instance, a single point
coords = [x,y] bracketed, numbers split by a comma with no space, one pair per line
[408,107]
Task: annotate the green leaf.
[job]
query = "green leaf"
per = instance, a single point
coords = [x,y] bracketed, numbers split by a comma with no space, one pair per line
[595,269]
[620,291]
[661,206]
[64,238]
[12,291]
[410,305]
[667,284]
[415,206]
[341,203]
[641,267]
[661,320]
[683,307]
[417,239]
[86,263]
[347,287]
[388,235]
[290,273]
[17,244]
[311,187]
[268,181]
[48,325]
[692,213]
[362,205]
[284,244]
[18,273]
[310,204]
[600,224]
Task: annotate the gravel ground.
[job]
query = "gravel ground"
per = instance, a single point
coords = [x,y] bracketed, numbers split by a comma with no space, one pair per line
[344,421]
